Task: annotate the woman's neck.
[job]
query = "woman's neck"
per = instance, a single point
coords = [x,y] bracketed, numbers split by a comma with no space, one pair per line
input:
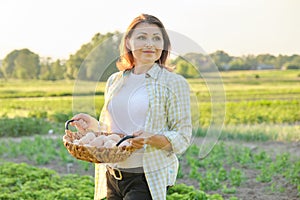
[142,68]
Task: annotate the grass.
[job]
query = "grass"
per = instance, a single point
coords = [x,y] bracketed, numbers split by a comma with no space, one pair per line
[272,100]
[39,88]
[257,133]
[243,85]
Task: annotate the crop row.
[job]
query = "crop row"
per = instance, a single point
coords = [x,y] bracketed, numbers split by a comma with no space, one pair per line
[240,112]
[30,126]
[222,171]
[22,181]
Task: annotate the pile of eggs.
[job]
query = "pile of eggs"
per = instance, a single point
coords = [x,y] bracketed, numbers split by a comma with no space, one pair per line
[108,141]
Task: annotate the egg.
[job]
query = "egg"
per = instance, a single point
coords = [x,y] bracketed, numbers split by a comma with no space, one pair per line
[98,141]
[110,144]
[114,137]
[87,138]
[76,142]
[124,144]
[87,145]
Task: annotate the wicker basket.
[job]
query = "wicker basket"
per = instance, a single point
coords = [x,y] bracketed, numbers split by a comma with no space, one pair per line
[95,154]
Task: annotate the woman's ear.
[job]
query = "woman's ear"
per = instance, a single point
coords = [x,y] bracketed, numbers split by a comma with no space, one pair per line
[127,44]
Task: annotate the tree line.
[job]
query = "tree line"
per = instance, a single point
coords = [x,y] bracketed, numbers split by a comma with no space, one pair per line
[96,60]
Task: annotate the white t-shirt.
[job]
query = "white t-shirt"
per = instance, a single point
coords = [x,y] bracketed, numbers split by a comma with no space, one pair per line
[128,110]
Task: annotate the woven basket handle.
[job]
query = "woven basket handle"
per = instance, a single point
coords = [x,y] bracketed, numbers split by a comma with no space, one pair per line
[124,138]
[67,123]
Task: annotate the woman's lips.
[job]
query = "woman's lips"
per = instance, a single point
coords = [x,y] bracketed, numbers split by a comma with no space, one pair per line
[148,51]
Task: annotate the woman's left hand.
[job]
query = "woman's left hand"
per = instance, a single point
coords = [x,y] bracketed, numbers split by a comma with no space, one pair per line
[139,140]
[159,141]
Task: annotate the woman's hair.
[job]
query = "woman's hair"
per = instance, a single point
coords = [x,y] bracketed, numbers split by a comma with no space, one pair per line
[126,60]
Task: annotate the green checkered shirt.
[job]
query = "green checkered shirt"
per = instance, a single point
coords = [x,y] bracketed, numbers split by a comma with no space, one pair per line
[169,114]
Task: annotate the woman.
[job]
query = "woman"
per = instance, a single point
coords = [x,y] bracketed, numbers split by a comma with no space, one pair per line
[148,101]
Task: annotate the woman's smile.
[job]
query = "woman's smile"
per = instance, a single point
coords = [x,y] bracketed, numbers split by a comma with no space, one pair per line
[149,51]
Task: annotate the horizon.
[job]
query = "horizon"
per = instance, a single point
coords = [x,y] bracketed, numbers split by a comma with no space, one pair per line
[58,29]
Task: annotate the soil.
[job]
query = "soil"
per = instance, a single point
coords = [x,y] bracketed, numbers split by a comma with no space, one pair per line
[249,190]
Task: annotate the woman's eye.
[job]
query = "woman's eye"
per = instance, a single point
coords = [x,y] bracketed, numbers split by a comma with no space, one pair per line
[141,37]
[157,38]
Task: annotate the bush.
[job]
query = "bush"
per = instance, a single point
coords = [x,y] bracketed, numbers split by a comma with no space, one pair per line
[38,114]
[289,67]
[23,126]
[60,117]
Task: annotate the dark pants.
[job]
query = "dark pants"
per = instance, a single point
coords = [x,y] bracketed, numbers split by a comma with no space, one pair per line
[131,187]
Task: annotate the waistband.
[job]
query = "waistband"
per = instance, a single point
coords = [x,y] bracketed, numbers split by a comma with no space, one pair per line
[121,173]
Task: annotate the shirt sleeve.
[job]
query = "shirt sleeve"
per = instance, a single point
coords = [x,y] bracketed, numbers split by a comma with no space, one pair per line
[179,115]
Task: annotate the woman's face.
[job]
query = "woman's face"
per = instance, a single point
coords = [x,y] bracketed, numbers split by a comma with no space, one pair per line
[146,43]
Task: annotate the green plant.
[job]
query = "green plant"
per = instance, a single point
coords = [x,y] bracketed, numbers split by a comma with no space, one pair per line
[235,176]
[22,181]
[227,190]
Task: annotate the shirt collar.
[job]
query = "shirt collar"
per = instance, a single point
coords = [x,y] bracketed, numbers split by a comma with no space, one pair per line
[153,71]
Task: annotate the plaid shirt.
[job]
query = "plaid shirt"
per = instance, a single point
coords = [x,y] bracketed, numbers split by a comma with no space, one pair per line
[168,114]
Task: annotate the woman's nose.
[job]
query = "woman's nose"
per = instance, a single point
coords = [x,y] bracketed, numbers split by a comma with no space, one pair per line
[149,43]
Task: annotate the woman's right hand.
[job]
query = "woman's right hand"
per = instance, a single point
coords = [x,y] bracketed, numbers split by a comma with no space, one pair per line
[85,122]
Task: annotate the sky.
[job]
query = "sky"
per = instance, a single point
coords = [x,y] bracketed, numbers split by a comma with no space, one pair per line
[58,28]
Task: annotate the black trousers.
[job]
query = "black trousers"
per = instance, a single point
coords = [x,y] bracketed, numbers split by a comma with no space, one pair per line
[131,187]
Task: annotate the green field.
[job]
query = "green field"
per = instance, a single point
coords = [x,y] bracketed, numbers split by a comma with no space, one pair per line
[255,99]
[258,148]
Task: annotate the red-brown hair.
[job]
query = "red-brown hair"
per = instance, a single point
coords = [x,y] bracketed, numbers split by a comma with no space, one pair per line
[126,60]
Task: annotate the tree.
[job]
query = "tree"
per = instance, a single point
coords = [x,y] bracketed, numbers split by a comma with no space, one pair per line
[95,58]
[250,62]
[181,68]
[237,64]
[8,65]
[45,69]
[266,59]
[58,70]
[221,59]
[1,73]
[185,68]
[280,61]
[22,64]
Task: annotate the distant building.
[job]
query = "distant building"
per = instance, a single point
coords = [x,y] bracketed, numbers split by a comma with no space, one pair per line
[226,67]
[264,67]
